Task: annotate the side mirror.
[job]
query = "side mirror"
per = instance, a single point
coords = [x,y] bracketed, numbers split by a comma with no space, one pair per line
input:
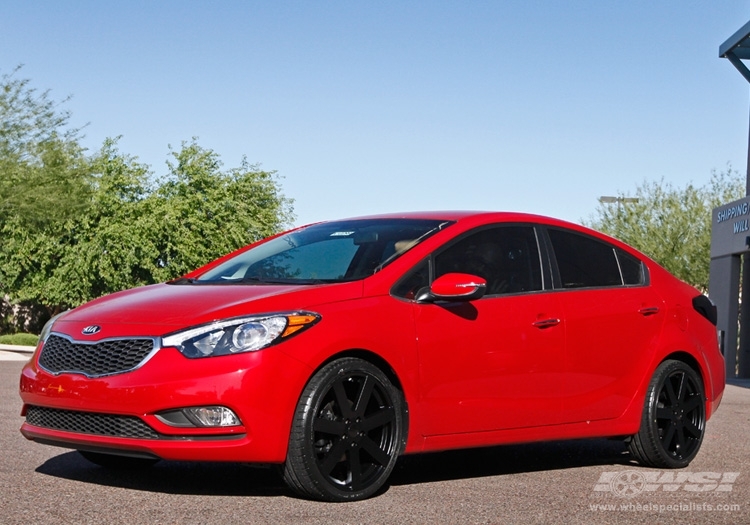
[454,287]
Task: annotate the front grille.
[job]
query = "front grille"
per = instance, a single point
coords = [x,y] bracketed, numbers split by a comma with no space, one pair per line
[112,356]
[89,423]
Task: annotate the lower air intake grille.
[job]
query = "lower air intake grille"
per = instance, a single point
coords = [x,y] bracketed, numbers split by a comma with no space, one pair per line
[89,423]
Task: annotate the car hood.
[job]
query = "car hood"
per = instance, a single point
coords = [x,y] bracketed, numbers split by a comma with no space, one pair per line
[159,309]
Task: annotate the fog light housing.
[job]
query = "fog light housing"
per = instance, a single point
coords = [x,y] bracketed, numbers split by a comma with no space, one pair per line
[201,417]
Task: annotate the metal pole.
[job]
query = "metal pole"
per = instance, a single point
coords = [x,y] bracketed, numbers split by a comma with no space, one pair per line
[743,357]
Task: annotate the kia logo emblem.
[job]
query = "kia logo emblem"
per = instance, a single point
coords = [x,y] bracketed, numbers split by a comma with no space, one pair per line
[91,330]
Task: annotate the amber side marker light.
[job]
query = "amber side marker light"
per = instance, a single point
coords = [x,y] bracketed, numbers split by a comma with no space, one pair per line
[295,323]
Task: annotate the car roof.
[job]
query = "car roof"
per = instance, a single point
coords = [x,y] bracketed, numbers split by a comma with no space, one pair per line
[474,215]
[472,218]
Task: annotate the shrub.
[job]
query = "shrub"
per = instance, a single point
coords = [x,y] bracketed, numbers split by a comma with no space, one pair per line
[19,339]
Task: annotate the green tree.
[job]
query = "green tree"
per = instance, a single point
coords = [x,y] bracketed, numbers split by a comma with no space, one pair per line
[43,168]
[669,224]
[75,226]
[200,212]
[73,259]
[134,234]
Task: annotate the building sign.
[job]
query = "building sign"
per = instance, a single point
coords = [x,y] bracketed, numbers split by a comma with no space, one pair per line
[730,228]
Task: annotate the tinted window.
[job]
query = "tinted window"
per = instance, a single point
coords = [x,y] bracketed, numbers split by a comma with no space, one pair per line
[632,269]
[415,280]
[584,261]
[507,257]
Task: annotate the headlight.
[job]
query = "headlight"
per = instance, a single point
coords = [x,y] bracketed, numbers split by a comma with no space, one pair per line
[245,334]
[48,327]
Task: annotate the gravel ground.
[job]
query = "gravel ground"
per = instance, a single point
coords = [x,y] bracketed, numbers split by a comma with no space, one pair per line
[582,481]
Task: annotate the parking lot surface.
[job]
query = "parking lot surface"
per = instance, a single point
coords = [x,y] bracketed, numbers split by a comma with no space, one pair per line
[581,481]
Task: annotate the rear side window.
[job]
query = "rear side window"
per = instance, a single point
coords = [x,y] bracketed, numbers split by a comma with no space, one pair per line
[585,262]
[633,271]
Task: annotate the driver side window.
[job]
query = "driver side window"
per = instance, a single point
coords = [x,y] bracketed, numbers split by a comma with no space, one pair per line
[507,257]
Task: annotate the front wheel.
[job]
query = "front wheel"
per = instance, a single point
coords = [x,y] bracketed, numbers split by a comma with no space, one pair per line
[347,433]
[674,418]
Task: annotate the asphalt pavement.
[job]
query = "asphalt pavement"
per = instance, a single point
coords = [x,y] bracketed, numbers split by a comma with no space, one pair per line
[579,481]
[15,352]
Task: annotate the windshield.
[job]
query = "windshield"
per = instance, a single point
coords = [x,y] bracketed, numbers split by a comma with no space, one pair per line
[326,252]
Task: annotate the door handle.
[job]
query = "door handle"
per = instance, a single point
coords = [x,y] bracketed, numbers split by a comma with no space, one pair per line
[648,310]
[546,323]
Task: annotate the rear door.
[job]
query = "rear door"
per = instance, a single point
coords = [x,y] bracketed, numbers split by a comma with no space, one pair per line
[612,317]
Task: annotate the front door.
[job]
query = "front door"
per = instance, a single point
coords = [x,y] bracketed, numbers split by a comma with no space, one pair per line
[493,363]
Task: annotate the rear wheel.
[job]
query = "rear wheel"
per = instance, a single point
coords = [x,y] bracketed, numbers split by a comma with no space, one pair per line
[674,418]
[347,433]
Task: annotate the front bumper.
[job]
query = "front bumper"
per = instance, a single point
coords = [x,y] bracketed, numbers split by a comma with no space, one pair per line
[83,413]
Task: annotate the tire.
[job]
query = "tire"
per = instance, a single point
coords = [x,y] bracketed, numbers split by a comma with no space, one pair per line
[347,433]
[674,418]
[112,461]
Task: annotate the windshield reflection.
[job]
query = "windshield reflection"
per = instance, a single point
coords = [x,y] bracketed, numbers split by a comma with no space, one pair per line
[324,253]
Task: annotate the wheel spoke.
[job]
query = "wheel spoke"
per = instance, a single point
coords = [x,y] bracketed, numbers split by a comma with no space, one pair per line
[680,448]
[355,468]
[669,390]
[691,404]
[681,388]
[333,457]
[364,396]
[693,430]
[345,405]
[328,426]
[378,419]
[667,438]
[378,454]
[664,413]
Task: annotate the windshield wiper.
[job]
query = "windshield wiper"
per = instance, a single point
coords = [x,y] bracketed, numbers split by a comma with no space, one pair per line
[255,280]
[183,280]
[292,282]
[247,280]
[275,281]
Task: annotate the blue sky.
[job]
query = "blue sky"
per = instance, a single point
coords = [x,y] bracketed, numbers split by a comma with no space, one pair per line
[380,106]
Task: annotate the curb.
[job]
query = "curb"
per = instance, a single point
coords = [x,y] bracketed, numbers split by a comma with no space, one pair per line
[18,348]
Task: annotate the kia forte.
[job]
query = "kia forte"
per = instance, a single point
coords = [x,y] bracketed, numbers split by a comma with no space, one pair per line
[332,349]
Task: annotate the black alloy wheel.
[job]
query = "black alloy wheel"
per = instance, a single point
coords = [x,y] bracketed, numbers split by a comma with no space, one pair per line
[347,433]
[674,418]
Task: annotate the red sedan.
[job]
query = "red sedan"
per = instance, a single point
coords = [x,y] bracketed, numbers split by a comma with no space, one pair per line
[332,349]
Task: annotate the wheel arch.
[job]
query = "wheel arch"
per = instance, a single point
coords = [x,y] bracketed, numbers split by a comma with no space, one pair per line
[631,417]
[688,359]
[703,373]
